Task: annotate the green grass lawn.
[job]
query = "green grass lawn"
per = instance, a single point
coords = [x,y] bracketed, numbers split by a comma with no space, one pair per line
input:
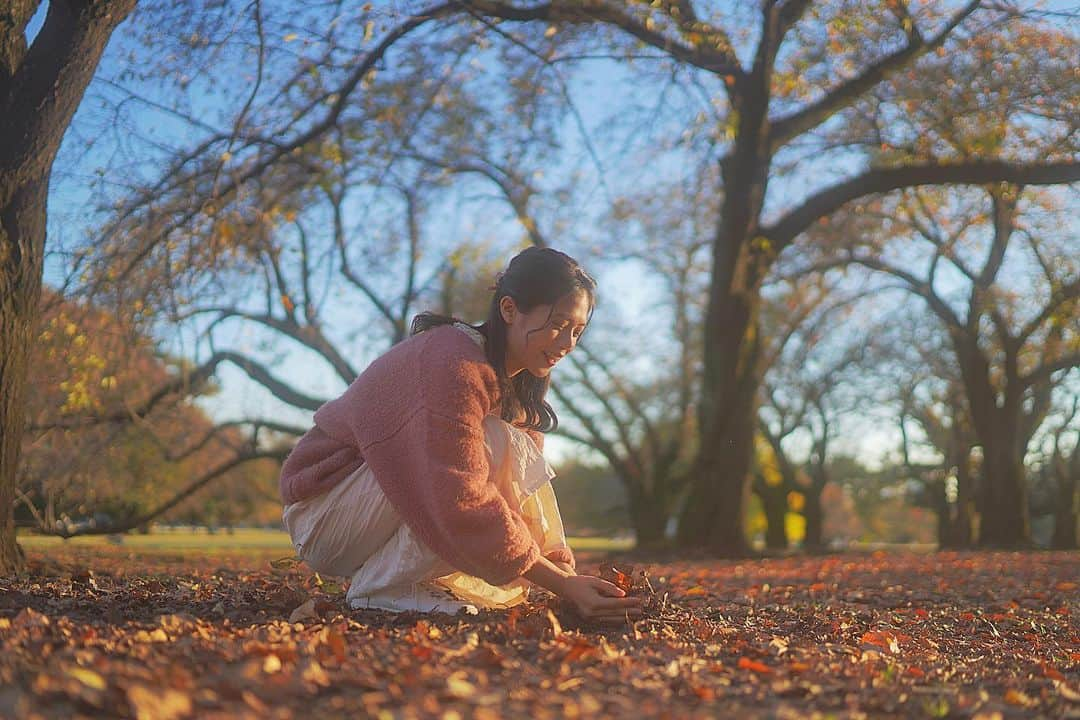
[168,540]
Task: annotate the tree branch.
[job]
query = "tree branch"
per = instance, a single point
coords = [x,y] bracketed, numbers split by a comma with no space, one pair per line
[280,149]
[508,183]
[621,427]
[786,128]
[719,59]
[1044,371]
[881,180]
[597,440]
[1067,293]
[191,489]
[39,96]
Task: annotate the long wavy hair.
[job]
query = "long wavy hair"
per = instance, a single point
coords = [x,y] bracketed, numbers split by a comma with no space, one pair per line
[535,276]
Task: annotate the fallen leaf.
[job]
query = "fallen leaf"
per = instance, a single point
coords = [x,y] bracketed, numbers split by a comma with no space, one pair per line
[158,703]
[580,649]
[306,611]
[87,677]
[556,626]
[1052,673]
[885,640]
[459,687]
[746,663]
[28,617]
[312,673]
[271,664]
[334,641]
[1016,697]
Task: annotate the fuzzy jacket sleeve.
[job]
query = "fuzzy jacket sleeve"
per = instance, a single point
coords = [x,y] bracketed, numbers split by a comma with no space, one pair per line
[434,468]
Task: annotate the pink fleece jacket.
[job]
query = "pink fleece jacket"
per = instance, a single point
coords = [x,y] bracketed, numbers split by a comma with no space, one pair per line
[415,416]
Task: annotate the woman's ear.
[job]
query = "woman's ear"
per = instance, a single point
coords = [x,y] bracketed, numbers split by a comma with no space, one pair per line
[508,309]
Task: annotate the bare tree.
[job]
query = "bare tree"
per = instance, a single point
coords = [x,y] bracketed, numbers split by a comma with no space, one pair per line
[807,397]
[1011,345]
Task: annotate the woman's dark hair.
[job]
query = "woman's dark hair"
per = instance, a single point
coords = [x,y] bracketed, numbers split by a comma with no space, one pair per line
[535,276]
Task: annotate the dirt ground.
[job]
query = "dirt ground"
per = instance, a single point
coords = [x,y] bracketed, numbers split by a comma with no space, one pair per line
[103,632]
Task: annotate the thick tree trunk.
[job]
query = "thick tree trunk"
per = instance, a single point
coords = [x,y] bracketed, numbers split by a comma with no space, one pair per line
[715,509]
[1003,502]
[943,513]
[1004,522]
[714,515]
[1066,514]
[40,89]
[814,513]
[963,530]
[963,534]
[22,234]
[649,516]
[774,504]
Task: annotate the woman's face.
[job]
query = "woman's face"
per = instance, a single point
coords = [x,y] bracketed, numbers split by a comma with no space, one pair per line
[538,339]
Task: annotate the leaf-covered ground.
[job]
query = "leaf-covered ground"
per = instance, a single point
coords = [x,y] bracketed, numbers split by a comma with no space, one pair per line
[99,633]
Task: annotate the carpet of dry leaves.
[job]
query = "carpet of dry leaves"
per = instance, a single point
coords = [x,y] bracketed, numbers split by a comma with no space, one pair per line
[104,633]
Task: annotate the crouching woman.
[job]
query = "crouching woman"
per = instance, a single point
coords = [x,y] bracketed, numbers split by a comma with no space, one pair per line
[425,482]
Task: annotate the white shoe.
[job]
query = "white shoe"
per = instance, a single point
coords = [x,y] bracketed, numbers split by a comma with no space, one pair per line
[422,597]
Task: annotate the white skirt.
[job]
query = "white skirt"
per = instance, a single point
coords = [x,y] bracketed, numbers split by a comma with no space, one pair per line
[353,531]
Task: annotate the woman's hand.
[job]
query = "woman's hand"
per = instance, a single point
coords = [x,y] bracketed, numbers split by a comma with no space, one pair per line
[598,600]
[594,599]
[565,567]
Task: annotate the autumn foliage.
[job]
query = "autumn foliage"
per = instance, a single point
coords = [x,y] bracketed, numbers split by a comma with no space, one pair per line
[96,446]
